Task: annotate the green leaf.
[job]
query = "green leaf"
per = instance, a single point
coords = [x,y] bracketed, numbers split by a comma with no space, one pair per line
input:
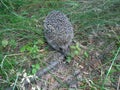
[34,49]
[37,66]
[34,71]
[4,43]
[72,47]
[13,43]
[86,54]
[76,52]
[41,42]
[77,46]
[23,49]
[33,66]
[68,59]
[29,48]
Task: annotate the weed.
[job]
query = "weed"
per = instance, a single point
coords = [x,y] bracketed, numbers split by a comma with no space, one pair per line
[4,43]
[35,68]
[75,51]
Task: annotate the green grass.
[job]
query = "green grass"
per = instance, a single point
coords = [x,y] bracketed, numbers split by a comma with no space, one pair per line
[21,25]
[110,68]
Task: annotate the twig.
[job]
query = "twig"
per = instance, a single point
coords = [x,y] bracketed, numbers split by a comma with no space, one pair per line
[16,81]
[9,56]
[80,45]
[118,86]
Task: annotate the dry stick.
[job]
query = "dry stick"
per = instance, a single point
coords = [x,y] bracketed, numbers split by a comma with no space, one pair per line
[42,72]
[16,54]
[118,86]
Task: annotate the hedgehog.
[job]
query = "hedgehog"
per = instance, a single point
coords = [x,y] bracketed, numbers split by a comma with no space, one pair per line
[58,31]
